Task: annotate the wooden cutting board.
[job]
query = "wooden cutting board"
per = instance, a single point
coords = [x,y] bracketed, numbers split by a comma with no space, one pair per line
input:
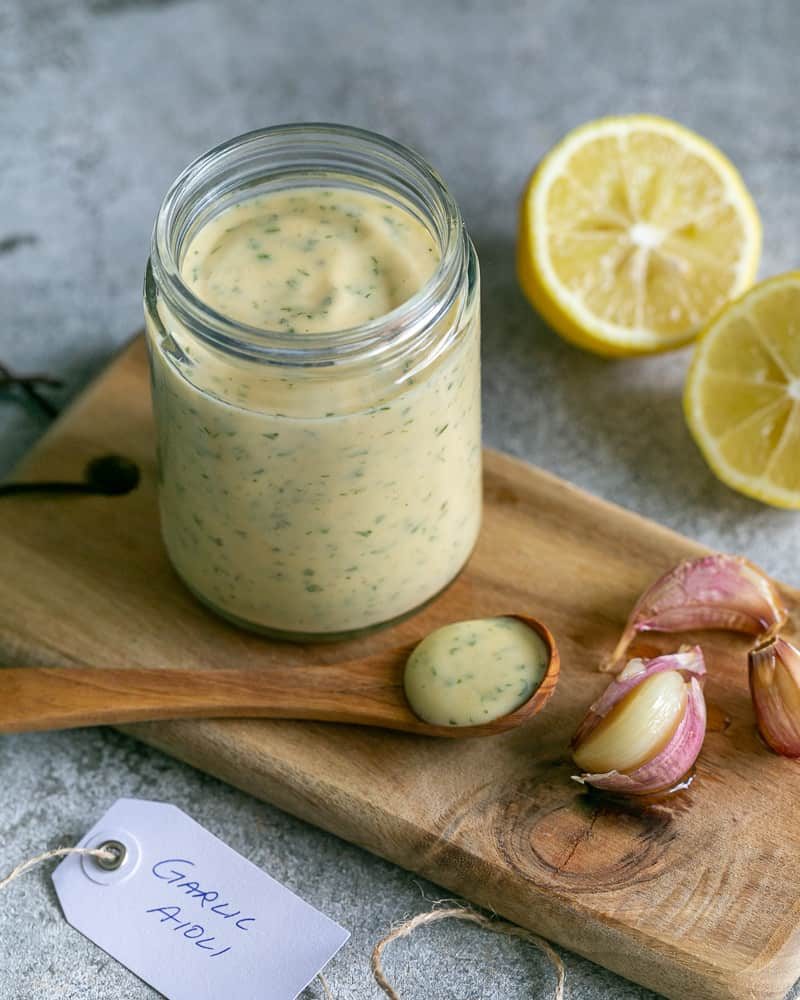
[696,899]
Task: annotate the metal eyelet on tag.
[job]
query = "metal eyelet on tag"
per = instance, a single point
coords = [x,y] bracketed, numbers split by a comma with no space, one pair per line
[125,847]
[118,849]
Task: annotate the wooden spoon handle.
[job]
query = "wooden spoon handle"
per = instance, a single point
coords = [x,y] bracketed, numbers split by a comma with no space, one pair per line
[366,692]
[33,698]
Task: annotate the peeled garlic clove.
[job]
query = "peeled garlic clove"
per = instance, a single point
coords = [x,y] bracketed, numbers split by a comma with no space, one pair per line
[640,727]
[712,592]
[644,733]
[775,689]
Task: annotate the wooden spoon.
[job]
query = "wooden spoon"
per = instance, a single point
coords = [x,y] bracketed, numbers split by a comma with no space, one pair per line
[367,692]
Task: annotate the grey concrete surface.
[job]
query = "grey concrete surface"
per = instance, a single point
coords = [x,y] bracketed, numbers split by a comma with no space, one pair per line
[103,101]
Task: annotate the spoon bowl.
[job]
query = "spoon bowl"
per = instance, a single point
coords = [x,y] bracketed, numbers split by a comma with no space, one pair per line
[368,692]
[534,704]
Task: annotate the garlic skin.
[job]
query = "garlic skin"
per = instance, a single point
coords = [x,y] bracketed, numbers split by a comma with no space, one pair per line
[712,592]
[634,722]
[775,690]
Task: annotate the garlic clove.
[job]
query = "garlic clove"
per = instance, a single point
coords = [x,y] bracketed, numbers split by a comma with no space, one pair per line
[688,660]
[644,733]
[638,728]
[712,592]
[671,766]
[775,689]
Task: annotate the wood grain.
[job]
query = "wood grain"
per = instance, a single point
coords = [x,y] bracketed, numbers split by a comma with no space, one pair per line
[696,899]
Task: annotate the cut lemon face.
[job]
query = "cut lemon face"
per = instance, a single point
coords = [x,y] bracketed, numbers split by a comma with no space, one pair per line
[742,397]
[634,231]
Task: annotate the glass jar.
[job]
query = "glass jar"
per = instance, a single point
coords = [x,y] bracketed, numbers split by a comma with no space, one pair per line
[315,486]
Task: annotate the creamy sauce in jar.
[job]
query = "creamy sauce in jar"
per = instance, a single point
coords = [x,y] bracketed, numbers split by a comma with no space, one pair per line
[292,500]
[310,260]
[472,672]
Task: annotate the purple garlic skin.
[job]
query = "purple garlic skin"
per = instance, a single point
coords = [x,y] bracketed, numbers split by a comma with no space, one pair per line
[712,592]
[775,690]
[669,766]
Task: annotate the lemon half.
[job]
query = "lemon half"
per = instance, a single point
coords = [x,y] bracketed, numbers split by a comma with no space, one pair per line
[742,396]
[633,232]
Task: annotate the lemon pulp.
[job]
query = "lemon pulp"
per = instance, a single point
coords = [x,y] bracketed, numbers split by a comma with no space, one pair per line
[633,232]
[742,396]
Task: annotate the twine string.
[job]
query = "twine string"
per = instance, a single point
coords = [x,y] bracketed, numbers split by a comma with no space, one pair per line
[59,852]
[471,916]
[402,930]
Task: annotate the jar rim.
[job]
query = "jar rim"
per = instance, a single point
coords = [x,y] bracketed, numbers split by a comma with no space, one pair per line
[391,331]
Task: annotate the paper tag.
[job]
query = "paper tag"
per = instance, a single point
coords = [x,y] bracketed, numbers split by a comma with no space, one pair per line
[190,916]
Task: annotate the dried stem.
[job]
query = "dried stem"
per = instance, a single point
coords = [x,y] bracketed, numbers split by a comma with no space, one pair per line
[29,384]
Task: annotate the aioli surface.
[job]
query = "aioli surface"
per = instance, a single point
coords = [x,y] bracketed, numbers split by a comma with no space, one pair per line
[310,260]
[474,671]
[294,500]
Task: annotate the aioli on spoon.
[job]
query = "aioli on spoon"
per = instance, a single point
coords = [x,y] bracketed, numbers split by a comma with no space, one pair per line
[471,672]
[367,692]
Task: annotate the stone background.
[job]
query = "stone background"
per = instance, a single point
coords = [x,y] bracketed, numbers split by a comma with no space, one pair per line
[103,101]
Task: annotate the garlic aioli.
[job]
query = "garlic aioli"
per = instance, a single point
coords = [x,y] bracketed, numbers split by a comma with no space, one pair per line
[310,260]
[295,505]
[472,672]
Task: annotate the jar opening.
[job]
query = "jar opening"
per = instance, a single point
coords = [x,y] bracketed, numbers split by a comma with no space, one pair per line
[304,155]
